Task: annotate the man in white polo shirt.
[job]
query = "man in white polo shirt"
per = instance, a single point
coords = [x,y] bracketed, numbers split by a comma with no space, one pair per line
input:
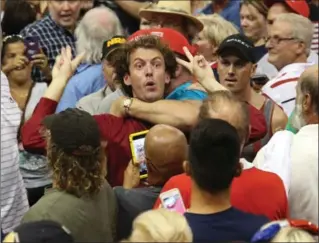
[289,43]
[14,202]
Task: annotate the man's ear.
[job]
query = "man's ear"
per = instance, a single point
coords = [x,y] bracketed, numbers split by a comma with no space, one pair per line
[238,169]
[186,167]
[127,80]
[167,78]
[306,103]
[253,70]
[178,71]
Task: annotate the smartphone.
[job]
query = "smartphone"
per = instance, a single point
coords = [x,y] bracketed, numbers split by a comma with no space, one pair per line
[137,149]
[173,201]
[32,46]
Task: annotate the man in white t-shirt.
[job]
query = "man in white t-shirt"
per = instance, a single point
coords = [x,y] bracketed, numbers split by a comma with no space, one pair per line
[289,43]
[295,157]
[14,202]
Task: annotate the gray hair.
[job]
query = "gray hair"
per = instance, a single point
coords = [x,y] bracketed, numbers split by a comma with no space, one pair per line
[301,27]
[98,25]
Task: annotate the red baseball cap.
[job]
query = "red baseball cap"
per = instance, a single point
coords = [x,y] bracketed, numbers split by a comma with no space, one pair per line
[175,40]
[298,6]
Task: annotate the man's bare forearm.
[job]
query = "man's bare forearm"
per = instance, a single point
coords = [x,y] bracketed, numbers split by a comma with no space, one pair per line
[55,89]
[211,85]
[180,114]
[132,7]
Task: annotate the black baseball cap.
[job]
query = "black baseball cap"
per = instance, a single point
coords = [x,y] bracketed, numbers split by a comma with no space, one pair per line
[74,131]
[238,44]
[44,231]
[112,44]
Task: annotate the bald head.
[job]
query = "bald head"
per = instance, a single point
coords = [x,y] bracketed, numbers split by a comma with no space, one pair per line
[309,85]
[166,149]
[223,105]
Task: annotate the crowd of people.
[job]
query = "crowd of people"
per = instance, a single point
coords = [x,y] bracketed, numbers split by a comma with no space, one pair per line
[225,92]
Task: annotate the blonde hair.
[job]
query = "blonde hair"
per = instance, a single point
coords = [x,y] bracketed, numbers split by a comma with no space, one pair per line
[216,28]
[301,28]
[290,234]
[160,225]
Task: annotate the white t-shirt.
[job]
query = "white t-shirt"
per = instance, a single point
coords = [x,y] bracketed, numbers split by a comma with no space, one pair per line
[282,88]
[14,202]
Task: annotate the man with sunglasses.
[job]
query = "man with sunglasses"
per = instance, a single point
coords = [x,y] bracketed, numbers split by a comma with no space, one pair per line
[289,44]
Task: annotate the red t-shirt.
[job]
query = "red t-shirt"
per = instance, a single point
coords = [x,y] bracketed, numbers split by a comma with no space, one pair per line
[254,191]
[115,130]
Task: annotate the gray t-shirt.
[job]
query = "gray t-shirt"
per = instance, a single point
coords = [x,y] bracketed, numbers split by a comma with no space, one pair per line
[88,219]
[99,102]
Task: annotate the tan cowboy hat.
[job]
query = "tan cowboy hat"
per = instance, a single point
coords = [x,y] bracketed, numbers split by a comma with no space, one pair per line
[177,7]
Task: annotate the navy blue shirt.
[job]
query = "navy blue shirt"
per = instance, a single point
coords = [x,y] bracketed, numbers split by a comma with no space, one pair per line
[229,225]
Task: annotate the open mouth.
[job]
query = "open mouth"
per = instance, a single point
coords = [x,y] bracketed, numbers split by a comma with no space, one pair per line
[150,84]
[66,17]
[230,80]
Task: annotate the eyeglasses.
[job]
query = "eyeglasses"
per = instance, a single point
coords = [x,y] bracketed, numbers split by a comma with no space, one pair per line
[265,235]
[276,39]
[8,37]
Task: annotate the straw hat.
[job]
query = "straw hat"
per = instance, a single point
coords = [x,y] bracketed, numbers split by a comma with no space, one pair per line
[177,7]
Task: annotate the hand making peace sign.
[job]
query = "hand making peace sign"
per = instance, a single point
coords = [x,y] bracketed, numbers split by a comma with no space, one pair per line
[197,65]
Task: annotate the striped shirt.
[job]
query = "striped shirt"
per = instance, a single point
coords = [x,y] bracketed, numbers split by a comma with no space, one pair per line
[14,202]
[282,88]
[315,39]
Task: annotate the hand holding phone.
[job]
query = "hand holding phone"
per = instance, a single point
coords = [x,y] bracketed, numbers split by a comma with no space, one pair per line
[32,47]
[138,154]
[131,176]
[173,201]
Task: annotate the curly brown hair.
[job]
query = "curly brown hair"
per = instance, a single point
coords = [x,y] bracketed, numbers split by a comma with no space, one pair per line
[78,175]
[122,60]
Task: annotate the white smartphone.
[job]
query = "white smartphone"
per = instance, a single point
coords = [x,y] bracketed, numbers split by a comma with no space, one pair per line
[173,201]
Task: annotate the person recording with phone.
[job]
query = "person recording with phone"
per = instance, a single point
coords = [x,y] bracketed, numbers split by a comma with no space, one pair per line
[165,150]
[26,93]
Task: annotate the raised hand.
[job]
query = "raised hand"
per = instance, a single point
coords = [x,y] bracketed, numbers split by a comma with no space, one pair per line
[18,62]
[40,60]
[65,66]
[197,65]
[202,71]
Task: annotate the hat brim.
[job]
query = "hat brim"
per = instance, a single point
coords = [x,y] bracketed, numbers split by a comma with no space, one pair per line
[147,13]
[229,48]
[116,47]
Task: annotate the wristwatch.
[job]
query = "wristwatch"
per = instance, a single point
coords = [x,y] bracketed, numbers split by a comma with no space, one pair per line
[127,104]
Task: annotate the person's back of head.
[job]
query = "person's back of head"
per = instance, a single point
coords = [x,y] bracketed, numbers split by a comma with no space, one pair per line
[17,15]
[307,101]
[224,105]
[286,231]
[165,151]
[75,152]
[160,225]
[214,154]
[97,25]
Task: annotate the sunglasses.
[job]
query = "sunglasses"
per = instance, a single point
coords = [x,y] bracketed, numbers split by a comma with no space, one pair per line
[8,37]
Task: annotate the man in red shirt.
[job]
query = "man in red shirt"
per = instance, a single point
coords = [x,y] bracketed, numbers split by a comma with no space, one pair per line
[147,71]
[254,191]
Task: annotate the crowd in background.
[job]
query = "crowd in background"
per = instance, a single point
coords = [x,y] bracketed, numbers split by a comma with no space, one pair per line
[226,92]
